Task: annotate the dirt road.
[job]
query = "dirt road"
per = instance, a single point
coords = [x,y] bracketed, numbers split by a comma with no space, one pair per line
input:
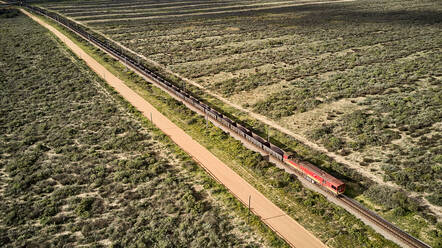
[273,216]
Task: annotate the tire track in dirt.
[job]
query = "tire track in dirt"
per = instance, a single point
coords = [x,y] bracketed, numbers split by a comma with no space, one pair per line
[269,213]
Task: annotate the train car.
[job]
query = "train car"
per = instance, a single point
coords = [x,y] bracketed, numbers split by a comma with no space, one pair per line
[186,96]
[248,137]
[187,99]
[229,121]
[254,141]
[243,129]
[175,88]
[270,151]
[277,150]
[268,147]
[263,141]
[179,94]
[167,84]
[237,130]
[204,106]
[225,122]
[142,68]
[194,100]
[278,153]
[162,83]
[219,116]
[211,114]
[199,106]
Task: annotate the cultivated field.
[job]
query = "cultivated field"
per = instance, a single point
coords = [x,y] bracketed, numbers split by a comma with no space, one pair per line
[78,167]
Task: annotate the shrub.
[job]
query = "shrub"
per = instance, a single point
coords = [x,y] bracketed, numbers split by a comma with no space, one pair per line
[84,207]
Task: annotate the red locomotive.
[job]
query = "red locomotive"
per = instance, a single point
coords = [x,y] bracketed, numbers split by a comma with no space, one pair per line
[316,175]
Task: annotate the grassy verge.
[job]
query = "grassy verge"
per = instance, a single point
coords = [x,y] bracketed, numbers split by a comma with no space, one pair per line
[329,222]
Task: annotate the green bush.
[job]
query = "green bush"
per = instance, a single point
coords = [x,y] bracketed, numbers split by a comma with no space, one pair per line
[9,12]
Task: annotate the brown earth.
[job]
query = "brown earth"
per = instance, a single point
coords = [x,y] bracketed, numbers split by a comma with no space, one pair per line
[270,214]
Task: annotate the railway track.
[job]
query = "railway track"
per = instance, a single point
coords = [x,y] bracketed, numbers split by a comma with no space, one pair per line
[375,219]
[384,224]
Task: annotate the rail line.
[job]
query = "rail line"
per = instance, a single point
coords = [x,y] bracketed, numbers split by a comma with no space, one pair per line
[405,237]
[129,61]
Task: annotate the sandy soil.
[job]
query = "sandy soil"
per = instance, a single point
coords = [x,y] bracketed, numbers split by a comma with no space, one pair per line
[273,216]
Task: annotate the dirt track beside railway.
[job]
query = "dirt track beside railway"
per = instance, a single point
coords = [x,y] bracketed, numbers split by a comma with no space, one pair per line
[273,216]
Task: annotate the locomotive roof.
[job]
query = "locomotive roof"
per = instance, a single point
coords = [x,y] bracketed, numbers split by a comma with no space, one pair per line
[323,174]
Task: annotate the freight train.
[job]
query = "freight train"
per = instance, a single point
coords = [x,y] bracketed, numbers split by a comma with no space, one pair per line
[308,170]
